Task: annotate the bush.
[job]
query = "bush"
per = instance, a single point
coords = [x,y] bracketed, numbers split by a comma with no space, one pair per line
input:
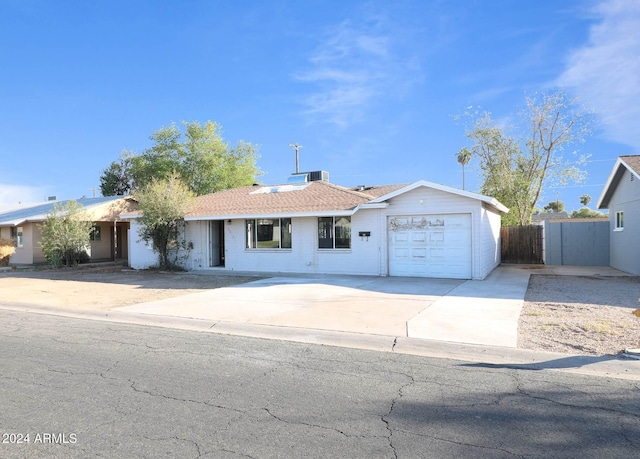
[57,258]
[79,256]
[7,248]
[65,234]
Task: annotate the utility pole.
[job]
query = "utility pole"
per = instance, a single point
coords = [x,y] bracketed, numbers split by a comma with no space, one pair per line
[296,147]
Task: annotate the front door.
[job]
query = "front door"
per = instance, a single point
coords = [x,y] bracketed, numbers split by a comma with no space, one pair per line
[216,237]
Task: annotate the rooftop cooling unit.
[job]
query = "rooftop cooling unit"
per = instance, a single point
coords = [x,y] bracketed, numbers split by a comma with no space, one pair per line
[315,176]
[318,176]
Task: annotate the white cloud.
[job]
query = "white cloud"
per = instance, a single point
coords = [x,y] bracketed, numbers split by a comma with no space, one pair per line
[605,71]
[353,67]
[20,194]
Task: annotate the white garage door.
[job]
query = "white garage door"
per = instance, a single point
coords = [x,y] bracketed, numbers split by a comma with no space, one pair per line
[430,246]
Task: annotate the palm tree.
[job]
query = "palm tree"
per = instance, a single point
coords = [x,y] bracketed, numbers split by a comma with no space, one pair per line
[463,156]
[585,199]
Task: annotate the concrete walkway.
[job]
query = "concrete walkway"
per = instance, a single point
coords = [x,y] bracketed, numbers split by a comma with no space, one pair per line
[471,312]
[476,312]
[357,304]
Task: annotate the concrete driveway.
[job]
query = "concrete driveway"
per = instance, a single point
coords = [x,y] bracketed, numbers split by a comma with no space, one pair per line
[477,312]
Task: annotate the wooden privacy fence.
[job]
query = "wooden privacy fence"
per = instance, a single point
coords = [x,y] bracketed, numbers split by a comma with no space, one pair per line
[522,244]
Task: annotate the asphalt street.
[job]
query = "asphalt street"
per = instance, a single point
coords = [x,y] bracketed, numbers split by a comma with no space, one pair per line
[76,388]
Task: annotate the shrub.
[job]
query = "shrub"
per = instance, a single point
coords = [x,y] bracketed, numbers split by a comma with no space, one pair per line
[7,248]
[78,256]
[65,234]
[58,258]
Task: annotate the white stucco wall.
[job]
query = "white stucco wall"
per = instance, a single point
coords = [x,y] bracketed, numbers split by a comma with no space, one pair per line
[141,255]
[304,255]
[365,257]
[489,244]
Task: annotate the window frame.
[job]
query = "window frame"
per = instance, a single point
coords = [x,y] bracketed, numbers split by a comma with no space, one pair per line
[619,222]
[17,234]
[327,226]
[96,233]
[252,233]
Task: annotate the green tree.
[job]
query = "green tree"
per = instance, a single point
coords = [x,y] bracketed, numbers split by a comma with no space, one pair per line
[585,199]
[515,168]
[200,157]
[463,157]
[117,180]
[65,234]
[164,204]
[500,162]
[554,206]
[585,212]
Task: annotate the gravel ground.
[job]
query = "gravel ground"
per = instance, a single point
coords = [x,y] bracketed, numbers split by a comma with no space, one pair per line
[580,314]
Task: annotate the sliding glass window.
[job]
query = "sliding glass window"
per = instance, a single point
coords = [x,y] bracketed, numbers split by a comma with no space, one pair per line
[269,233]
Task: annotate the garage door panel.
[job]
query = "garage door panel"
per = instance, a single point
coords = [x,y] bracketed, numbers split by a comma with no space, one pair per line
[419,253]
[419,237]
[430,246]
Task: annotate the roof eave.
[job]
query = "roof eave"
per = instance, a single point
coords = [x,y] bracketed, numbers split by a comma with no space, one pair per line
[612,183]
[467,194]
[324,213]
[372,205]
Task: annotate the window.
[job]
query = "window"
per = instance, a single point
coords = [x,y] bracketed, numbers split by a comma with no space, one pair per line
[95,234]
[269,233]
[334,232]
[619,220]
[16,235]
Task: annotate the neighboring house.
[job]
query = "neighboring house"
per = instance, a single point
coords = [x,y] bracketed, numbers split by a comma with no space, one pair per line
[621,195]
[109,237]
[420,229]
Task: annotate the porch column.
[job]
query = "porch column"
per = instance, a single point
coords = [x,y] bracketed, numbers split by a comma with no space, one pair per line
[115,241]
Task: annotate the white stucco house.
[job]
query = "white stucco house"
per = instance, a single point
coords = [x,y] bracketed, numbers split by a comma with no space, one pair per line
[420,229]
[621,195]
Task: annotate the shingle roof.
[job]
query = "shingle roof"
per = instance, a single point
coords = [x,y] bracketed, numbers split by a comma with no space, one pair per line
[633,161]
[290,199]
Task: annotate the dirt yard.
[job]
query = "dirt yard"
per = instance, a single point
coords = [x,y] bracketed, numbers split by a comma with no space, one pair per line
[102,290]
[571,314]
[580,315]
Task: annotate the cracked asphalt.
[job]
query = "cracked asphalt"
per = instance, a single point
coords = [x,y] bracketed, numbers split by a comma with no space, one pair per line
[129,391]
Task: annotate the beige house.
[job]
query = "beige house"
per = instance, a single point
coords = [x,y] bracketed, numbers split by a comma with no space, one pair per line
[109,237]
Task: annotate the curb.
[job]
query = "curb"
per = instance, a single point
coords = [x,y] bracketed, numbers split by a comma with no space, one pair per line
[470,355]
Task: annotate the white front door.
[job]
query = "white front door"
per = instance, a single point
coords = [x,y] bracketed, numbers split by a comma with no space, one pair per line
[430,246]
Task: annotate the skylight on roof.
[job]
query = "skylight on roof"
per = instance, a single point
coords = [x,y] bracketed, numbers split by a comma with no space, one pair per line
[280,188]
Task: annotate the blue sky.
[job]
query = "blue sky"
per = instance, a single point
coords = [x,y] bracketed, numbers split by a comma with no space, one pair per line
[370,89]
